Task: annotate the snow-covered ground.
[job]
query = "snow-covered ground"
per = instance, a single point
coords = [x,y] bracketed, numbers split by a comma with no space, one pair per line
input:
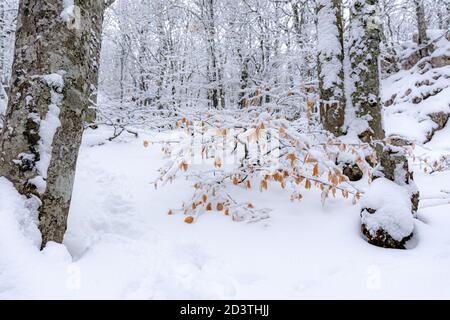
[121,243]
[417,93]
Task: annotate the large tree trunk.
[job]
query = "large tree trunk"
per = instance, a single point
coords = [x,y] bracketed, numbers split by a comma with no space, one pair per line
[364,56]
[330,65]
[55,74]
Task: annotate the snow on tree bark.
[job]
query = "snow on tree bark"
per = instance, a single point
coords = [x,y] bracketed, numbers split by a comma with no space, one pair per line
[215,91]
[55,74]
[422,39]
[364,53]
[2,44]
[330,65]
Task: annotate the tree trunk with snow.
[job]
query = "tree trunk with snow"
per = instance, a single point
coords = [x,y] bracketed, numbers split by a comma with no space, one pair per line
[330,65]
[364,56]
[422,38]
[215,91]
[364,47]
[2,44]
[243,82]
[55,74]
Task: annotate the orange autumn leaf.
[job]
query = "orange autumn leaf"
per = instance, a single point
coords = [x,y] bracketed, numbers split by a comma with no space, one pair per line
[308,184]
[333,191]
[189,220]
[277,177]
[218,163]
[209,207]
[345,193]
[184,165]
[292,157]
[316,170]
[219,206]
[299,179]
[263,185]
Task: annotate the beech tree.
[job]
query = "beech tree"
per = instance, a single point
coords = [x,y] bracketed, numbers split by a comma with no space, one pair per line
[330,64]
[392,162]
[55,75]
[422,38]
[365,38]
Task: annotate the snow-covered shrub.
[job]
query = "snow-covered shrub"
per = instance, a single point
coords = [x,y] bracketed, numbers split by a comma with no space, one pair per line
[386,215]
[429,166]
[251,149]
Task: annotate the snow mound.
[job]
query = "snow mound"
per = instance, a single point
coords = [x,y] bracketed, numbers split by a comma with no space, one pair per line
[392,205]
[18,217]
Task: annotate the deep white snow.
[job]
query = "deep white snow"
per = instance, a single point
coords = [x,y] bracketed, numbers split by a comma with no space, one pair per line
[68,12]
[122,244]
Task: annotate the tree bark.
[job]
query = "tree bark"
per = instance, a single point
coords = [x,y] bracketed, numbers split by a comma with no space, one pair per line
[330,65]
[364,57]
[2,44]
[55,74]
[422,39]
[214,90]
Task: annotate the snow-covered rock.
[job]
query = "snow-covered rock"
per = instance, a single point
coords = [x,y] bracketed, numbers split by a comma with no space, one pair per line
[417,98]
[386,216]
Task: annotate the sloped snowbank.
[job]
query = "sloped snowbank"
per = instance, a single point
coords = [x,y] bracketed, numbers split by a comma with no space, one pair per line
[25,272]
[411,96]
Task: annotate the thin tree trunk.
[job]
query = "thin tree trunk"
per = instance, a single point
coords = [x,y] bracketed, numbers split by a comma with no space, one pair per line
[244,83]
[2,44]
[422,39]
[213,70]
[55,74]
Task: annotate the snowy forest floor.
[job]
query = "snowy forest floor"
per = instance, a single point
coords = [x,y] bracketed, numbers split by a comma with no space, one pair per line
[121,243]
